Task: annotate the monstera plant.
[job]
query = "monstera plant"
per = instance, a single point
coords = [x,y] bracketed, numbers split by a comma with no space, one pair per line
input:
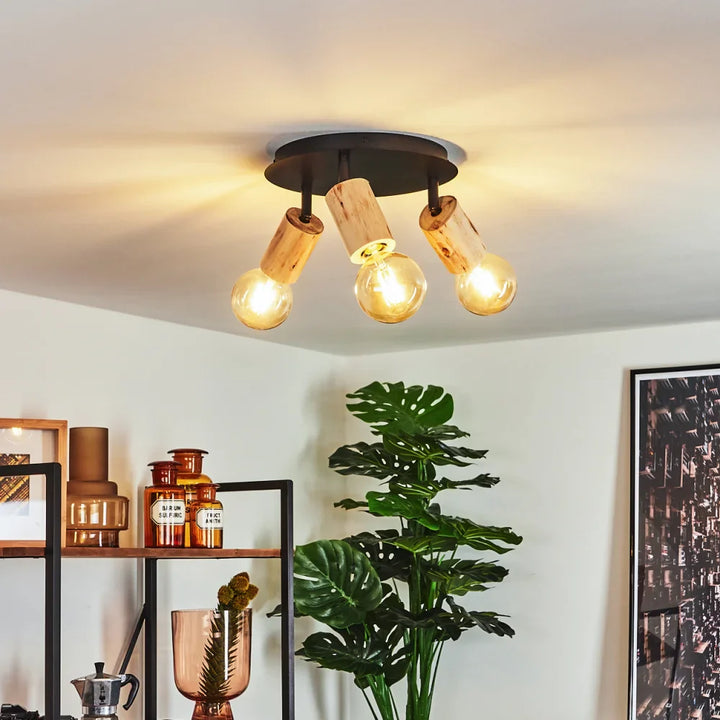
[391,597]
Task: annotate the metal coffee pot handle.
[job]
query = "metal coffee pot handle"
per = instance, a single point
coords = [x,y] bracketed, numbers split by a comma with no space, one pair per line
[135,686]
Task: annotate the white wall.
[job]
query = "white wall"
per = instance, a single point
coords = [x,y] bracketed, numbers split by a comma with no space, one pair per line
[553,413]
[262,411]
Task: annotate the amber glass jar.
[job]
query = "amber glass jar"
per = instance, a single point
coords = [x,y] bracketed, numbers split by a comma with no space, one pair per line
[164,507]
[206,518]
[189,476]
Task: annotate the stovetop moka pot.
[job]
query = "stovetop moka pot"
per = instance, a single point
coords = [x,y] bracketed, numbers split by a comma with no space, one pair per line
[100,693]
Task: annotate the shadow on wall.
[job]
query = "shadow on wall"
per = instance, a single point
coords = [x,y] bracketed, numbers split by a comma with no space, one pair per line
[612,687]
[127,605]
[326,413]
[15,684]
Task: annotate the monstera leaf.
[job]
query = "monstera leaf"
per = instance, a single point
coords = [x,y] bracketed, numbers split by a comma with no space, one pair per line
[428,449]
[396,409]
[369,460]
[429,487]
[396,666]
[380,626]
[335,583]
[478,537]
[394,505]
[488,621]
[484,480]
[421,545]
[348,653]
[372,649]
[458,577]
[350,504]
[390,595]
[388,560]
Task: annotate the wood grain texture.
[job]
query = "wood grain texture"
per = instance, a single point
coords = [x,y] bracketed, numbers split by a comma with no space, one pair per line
[359,218]
[61,427]
[290,247]
[38,550]
[453,236]
[170,553]
[24,548]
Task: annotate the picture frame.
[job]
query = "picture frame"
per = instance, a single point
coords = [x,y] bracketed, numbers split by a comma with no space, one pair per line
[22,499]
[675,543]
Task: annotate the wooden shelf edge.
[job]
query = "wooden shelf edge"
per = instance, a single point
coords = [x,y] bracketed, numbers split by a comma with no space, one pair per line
[35,551]
[170,553]
[20,551]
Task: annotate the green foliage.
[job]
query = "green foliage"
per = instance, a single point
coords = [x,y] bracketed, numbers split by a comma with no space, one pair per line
[388,559]
[370,460]
[334,584]
[215,673]
[393,409]
[459,577]
[216,670]
[389,596]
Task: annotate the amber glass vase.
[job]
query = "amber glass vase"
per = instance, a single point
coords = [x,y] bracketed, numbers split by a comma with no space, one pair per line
[211,658]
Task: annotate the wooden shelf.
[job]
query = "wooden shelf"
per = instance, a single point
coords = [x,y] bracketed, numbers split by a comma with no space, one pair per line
[161,553]
[22,551]
[169,553]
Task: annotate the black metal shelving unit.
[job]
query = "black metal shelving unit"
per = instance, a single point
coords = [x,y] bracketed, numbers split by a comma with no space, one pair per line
[147,620]
[52,474]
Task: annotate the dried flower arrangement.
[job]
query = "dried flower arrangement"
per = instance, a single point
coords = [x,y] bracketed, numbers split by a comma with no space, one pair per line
[216,672]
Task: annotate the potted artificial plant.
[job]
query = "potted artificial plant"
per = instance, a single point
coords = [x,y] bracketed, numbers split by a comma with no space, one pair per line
[390,597]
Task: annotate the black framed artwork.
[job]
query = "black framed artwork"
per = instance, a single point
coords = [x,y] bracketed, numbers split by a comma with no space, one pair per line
[675,544]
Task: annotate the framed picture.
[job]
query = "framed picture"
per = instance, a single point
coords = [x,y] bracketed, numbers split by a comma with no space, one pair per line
[22,499]
[675,544]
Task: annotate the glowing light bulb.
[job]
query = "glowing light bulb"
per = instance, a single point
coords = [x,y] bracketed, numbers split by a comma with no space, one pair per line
[489,287]
[259,302]
[390,287]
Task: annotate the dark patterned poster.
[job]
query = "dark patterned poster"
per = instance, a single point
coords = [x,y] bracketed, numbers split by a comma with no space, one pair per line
[675,620]
[15,491]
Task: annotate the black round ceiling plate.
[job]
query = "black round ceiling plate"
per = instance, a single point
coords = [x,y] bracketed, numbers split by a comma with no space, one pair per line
[393,163]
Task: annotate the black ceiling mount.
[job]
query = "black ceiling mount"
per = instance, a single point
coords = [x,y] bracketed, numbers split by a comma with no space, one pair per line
[393,163]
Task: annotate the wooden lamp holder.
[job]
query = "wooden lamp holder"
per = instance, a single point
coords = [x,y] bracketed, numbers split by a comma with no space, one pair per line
[452,235]
[291,246]
[351,170]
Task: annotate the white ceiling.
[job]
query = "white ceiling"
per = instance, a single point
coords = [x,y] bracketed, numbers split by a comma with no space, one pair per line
[134,134]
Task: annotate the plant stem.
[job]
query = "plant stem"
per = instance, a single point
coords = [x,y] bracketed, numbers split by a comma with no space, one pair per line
[439,650]
[383,697]
[367,700]
[423,594]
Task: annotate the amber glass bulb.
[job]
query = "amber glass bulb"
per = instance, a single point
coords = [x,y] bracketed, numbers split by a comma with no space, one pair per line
[259,302]
[390,287]
[489,287]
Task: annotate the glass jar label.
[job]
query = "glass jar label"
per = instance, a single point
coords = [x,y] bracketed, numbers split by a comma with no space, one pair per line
[168,512]
[209,518]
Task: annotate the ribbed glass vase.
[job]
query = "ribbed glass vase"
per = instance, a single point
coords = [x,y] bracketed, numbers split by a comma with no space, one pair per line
[211,658]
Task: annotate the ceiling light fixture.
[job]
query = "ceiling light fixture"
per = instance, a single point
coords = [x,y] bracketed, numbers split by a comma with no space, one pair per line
[351,169]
